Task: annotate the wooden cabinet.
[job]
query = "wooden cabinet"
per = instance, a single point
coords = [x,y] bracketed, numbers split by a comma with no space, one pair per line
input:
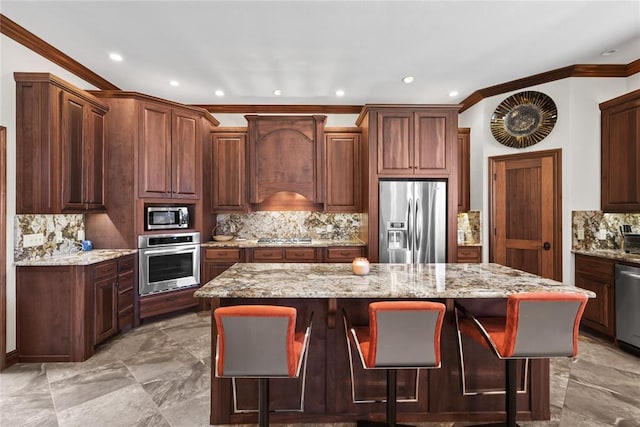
[60,147]
[343,253]
[62,312]
[285,254]
[413,142]
[217,260]
[597,275]
[169,152]
[464,169]
[167,302]
[343,172]
[620,160]
[285,155]
[126,292]
[227,173]
[470,254]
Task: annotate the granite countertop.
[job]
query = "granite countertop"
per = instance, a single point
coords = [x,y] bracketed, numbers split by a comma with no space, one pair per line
[469,244]
[77,258]
[252,243]
[614,254]
[246,280]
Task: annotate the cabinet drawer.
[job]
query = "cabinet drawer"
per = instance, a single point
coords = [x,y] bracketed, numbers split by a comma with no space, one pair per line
[596,266]
[125,318]
[469,254]
[344,254]
[125,299]
[167,302]
[105,269]
[232,255]
[268,254]
[300,254]
[126,263]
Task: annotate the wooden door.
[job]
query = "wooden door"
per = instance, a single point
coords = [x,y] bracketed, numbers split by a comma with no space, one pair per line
[525,218]
[228,175]
[73,152]
[186,155]
[430,142]
[95,165]
[395,136]
[342,154]
[154,155]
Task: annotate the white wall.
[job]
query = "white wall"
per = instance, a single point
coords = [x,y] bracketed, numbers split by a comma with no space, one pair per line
[577,133]
[15,57]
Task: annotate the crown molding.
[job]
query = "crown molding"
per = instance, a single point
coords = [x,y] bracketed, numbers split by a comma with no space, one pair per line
[280,109]
[44,49]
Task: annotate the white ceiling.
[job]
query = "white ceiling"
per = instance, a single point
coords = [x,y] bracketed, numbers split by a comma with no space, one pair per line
[309,49]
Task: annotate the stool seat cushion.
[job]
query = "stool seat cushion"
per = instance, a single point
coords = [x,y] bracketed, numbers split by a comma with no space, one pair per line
[495,327]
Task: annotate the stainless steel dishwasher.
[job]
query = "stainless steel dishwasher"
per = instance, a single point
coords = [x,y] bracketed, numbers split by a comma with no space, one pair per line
[627,290]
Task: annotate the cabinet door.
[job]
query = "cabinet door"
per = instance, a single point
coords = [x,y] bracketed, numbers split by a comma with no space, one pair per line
[95,165]
[106,311]
[186,155]
[464,148]
[228,177]
[430,141]
[342,153]
[597,275]
[154,155]
[73,152]
[395,149]
[620,159]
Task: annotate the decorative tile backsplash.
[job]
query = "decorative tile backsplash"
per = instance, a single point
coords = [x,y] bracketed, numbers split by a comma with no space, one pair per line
[317,225]
[469,226]
[60,235]
[592,230]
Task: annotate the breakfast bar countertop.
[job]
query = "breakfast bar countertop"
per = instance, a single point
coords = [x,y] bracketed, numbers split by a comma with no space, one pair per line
[249,280]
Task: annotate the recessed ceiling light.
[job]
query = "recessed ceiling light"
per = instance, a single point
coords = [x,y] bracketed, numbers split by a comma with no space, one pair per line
[340,92]
[453,93]
[219,92]
[115,57]
[174,83]
[277,92]
[608,52]
[407,79]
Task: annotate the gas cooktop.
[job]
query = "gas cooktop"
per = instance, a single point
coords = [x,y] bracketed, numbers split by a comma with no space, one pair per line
[287,241]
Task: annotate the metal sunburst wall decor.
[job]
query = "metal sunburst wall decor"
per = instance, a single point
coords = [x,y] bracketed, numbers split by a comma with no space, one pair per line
[524,119]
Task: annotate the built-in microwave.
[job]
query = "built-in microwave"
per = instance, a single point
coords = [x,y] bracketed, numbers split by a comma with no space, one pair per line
[166,217]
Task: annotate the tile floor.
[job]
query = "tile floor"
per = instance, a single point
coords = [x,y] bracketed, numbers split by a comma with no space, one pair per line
[158,375]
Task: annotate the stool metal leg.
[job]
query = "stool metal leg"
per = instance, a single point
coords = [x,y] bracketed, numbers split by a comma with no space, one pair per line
[263,402]
[511,392]
[391,397]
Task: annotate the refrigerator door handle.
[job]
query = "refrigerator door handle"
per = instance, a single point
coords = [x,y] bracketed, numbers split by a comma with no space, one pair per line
[418,223]
[409,227]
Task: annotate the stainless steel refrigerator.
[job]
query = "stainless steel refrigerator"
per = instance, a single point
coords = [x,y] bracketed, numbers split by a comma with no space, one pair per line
[412,221]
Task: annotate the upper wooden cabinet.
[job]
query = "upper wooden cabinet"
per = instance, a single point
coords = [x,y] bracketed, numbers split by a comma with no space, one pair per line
[285,154]
[464,163]
[414,142]
[169,152]
[620,169]
[343,172]
[226,161]
[60,147]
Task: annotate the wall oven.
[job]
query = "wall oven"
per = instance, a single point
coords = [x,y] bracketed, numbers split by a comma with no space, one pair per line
[168,262]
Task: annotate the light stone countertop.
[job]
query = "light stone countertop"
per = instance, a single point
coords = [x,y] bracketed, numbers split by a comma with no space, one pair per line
[252,243]
[614,254]
[77,258]
[247,280]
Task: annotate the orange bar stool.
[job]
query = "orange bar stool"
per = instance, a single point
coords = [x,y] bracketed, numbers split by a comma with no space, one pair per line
[536,325]
[400,335]
[260,341]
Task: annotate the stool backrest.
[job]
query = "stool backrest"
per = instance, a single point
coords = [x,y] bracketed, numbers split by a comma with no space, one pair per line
[405,333]
[256,341]
[543,324]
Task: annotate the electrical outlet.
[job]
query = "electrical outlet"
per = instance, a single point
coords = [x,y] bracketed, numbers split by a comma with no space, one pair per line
[58,236]
[80,234]
[30,240]
[329,228]
[602,234]
[580,233]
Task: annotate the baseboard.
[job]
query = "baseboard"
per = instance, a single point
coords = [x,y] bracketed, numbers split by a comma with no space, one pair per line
[11,359]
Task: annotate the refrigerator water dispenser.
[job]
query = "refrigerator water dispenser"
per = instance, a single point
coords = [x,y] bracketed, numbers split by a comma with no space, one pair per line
[397,234]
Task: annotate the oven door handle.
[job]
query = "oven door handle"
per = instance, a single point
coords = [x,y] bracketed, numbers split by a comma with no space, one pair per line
[170,250]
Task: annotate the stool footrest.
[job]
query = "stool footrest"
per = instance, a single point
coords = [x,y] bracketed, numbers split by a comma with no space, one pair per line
[501,424]
[365,423]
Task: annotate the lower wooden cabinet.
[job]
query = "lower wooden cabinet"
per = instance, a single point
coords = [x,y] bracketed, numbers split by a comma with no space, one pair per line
[597,275]
[167,302]
[62,312]
[343,253]
[288,254]
[470,254]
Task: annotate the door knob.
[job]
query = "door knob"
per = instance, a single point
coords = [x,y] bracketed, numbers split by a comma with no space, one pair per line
[546,246]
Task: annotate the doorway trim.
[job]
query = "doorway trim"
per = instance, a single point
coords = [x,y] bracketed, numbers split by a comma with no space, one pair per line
[3,247]
[556,155]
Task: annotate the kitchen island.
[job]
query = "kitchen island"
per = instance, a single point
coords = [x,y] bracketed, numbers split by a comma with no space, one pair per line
[327,289]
